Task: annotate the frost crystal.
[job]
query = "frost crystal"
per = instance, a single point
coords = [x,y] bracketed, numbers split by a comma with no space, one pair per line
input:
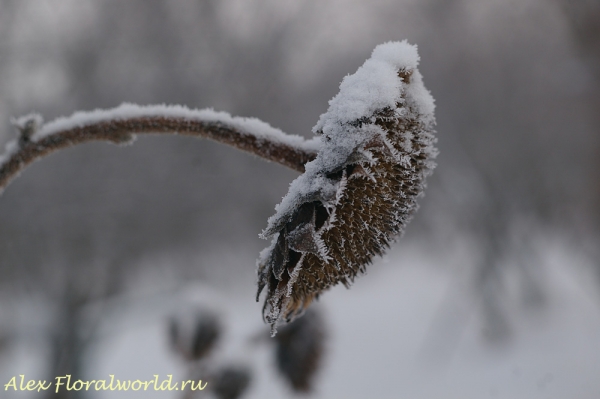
[357,196]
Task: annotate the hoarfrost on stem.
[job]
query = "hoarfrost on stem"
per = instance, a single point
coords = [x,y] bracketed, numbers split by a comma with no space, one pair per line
[121,124]
[125,111]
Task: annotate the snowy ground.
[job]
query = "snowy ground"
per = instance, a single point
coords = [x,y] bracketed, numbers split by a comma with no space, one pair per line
[408,329]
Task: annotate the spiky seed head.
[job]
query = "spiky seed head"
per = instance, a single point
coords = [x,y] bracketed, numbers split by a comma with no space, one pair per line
[230,382]
[193,335]
[360,192]
[299,350]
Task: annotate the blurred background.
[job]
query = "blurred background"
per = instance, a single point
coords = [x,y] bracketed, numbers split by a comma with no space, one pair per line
[492,292]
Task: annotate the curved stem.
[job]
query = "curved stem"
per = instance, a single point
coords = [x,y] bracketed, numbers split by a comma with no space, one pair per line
[244,134]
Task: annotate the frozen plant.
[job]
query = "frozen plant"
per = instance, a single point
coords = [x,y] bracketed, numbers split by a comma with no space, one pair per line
[362,173]
[359,193]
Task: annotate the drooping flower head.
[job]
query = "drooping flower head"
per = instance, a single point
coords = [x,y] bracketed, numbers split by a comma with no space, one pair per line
[357,196]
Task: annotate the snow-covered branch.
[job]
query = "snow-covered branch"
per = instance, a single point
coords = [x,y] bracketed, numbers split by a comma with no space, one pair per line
[120,125]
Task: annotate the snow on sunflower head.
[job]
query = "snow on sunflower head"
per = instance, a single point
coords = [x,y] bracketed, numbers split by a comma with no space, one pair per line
[358,195]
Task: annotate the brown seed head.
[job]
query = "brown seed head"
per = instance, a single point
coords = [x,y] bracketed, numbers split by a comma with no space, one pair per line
[361,191]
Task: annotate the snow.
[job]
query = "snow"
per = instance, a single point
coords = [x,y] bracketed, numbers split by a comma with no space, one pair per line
[26,124]
[380,344]
[420,97]
[380,334]
[22,121]
[9,149]
[375,86]
[252,126]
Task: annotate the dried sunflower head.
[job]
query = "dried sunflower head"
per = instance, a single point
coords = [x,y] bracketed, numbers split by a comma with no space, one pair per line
[357,196]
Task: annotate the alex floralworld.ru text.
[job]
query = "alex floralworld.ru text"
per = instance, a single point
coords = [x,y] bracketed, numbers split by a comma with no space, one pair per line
[112,384]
